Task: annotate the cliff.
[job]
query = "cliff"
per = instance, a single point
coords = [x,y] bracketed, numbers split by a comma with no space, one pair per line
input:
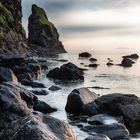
[42,33]
[12,34]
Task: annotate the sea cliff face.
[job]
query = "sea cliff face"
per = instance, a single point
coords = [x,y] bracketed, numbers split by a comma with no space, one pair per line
[12,34]
[42,33]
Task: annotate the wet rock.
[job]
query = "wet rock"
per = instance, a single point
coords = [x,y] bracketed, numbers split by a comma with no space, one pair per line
[85,55]
[54,88]
[93,65]
[126,62]
[97,137]
[104,119]
[117,104]
[26,76]
[132,56]
[78,98]
[10,61]
[43,35]
[98,88]
[7,75]
[113,131]
[43,107]
[40,92]
[67,72]
[93,59]
[38,128]
[32,84]
[109,64]
[15,102]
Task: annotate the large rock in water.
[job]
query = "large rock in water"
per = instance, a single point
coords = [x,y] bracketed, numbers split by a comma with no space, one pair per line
[117,104]
[42,33]
[38,128]
[67,72]
[78,98]
[126,62]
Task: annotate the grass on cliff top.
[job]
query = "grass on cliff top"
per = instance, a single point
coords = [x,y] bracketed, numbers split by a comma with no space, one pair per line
[40,13]
[6,15]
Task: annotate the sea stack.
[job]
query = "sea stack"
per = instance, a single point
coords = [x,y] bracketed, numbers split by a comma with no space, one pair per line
[43,36]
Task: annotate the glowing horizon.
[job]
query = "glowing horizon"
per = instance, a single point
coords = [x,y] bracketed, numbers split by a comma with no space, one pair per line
[92,24]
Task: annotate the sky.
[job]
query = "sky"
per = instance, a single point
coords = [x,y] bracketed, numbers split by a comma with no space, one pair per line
[95,25]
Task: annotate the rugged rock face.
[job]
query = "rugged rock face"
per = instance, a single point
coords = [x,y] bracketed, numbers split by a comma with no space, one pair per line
[12,34]
[43,34]
[38,128]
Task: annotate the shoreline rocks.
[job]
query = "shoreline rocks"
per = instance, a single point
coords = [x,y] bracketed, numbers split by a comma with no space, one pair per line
[78,98]
[85,55]
[67,72]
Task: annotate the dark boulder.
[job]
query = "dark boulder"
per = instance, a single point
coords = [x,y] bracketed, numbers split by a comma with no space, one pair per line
[117,104]
[113,131]
[109,64]
[85,55]
[54,88]
[126,62]
[26,76]
[93,65]
[38,128]
[40,92]
[78,98]
[92,59]
[32,84]
[43,107]
[67,72]
[104,119]
[7,75]
[132,56]
[14,103]
[10,61]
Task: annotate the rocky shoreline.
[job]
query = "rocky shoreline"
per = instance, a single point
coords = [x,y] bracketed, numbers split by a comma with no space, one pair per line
[24,116]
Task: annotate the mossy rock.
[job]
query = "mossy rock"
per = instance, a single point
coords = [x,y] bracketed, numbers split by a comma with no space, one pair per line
[40,13]
[6,16]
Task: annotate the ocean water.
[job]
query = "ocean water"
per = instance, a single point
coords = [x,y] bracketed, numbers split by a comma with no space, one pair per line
[115,78]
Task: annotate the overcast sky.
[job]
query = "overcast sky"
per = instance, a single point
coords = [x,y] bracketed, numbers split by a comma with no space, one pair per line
[92,23]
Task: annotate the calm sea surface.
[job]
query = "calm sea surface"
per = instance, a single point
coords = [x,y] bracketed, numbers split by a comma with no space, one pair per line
[116,78]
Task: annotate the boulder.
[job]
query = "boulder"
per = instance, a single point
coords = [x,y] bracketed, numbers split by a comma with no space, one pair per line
[104,119]
[7,75]
[43,35]
[32,84]
[67,72]
[117,104]
[85,55]
[126,62]
[14,103]
[93,65]
[40,92]
[38,128]
[92,59]
[54,88]
[78,98]
[109,64]
[43,107]
[113,131]
[26,76]
[10,61]
[132,56]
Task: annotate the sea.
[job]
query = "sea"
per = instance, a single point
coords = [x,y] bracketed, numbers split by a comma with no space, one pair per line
[112,79]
